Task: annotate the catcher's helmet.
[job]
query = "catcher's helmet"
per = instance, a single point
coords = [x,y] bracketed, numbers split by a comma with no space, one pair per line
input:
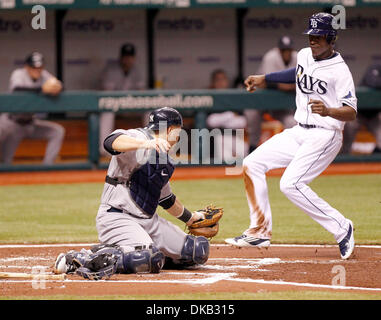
[320,24]
[166,115]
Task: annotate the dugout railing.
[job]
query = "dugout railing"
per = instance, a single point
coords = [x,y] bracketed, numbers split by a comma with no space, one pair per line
[195,103]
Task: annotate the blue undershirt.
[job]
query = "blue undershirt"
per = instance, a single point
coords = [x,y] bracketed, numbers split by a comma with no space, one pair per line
[288,75]
[284,76]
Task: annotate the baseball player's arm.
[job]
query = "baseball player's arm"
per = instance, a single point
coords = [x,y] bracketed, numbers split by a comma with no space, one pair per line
[180,212]
[344,113]
[284,76]
[124,143]
[16,83]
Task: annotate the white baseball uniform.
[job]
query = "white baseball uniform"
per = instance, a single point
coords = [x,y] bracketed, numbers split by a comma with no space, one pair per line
[306,152]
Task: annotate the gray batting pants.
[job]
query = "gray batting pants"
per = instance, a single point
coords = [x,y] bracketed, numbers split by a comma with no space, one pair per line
[13,133]
[129,232]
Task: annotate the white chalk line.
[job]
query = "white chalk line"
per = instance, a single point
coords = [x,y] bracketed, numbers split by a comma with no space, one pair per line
[302,284]
[23,259]
[211,278]
[54,245]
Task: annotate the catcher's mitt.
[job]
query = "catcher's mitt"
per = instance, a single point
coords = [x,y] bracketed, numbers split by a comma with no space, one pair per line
[209,226]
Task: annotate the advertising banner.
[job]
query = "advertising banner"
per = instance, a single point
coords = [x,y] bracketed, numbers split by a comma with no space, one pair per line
[94,4]
[92,41]
[190,44]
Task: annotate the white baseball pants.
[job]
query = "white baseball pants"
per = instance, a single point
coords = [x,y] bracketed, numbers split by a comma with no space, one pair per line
[306,153]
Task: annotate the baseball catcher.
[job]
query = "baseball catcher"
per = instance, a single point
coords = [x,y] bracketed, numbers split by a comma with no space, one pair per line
[104,260]
[133,237]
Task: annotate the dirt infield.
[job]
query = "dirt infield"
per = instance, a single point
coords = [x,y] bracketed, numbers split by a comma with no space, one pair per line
[182,173]
[229,269]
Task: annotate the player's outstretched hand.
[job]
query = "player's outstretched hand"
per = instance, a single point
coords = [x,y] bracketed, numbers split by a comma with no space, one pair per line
[161,145]
[318,106]
[253,82]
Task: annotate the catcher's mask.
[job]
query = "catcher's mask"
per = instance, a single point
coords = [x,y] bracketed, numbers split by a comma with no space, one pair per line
[167,116]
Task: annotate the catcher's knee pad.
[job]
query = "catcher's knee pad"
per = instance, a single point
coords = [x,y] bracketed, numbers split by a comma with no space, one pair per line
[145,260]
[195,250]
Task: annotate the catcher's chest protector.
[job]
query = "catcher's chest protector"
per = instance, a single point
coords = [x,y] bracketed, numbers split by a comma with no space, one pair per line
[146,183]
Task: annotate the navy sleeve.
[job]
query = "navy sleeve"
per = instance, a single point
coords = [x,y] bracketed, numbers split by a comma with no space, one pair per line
[284,76]
[107,144]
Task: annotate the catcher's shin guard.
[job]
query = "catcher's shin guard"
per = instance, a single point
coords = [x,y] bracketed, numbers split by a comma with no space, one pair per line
[195,250]
[143,261]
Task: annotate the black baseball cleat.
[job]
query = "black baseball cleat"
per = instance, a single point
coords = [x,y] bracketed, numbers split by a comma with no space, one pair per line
[248,241]
[347,245]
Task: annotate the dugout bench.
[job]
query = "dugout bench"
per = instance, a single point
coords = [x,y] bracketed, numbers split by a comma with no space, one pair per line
[196,103]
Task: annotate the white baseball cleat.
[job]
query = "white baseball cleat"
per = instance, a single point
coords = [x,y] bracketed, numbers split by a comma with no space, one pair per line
[248,241]
[60,265]
[347,245]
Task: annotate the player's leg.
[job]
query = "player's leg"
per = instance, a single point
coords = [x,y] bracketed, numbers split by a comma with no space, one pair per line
[140,252]
[15,133]
[180,249]
[120,228]
[276,152]
[52,132]
[319,149]
[106,259]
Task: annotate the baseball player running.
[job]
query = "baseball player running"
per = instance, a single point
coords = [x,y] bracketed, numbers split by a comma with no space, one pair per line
[325,100]
[137,182]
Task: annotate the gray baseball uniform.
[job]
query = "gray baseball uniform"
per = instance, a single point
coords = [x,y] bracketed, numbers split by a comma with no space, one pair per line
[16,127]
[116,80]
[131,227]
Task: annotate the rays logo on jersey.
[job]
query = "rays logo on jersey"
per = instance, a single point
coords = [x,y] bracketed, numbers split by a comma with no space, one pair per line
[308,84]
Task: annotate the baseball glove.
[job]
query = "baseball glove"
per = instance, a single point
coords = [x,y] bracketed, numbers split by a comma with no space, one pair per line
[209,226]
